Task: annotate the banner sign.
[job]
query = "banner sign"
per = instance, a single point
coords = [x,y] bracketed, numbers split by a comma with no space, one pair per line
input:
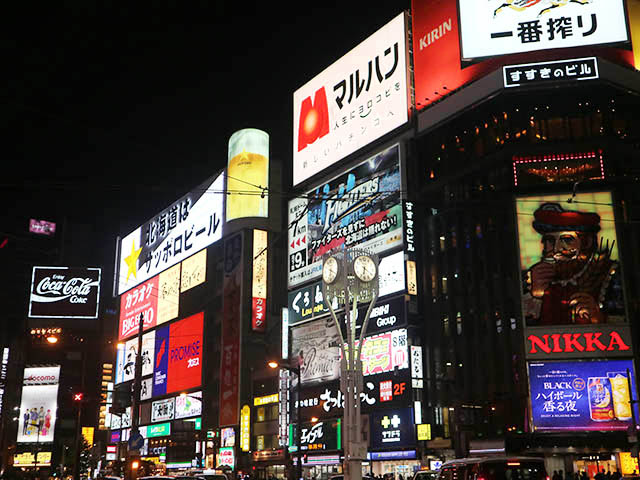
[306,303]
[324,435]
[42,227]
[582,396]
[385,352]
[392,428]
[190,224]
[352,103]
[393,455]
[231,331]
[259,282]
[496,27]
[39,404]
[316,345]
[142,300]
[188,405]
[569,260]
[162,410]
[178,356]
[382,391]
[64,292]
[546,72]
[360,208]
[578,341]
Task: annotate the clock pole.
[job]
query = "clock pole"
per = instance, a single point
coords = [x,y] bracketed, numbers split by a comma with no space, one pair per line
[350,277]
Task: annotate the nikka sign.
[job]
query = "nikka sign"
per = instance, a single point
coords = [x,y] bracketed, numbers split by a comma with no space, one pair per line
[590,341]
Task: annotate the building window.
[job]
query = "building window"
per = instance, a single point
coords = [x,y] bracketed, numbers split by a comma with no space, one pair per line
[445,326]
[445,285]
[260,416]
[459,323]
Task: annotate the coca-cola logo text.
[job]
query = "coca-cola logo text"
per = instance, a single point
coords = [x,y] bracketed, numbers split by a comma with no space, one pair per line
[77,289]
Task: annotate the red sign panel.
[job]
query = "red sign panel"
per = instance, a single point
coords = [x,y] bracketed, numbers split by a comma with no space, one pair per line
[185,353]
[142,299]
[258,319]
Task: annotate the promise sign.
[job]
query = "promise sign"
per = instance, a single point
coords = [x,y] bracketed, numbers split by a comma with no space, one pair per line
[578,342]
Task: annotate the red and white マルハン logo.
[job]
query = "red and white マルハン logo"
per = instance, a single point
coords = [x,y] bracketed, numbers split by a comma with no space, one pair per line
[314,119]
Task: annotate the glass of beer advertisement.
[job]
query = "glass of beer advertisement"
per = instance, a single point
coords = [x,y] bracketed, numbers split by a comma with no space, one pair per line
[582,396]
[569,259]
[248,174]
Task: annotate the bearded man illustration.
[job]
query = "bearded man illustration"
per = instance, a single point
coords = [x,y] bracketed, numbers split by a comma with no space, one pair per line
[568,285]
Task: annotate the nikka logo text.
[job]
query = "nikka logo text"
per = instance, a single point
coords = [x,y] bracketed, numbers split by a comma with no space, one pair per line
[314,119]
[576,342]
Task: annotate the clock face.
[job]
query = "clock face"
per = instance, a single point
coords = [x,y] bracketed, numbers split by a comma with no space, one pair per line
[330,270]
[365,268]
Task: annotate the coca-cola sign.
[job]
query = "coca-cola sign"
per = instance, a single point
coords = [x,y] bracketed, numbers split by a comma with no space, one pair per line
[63,292]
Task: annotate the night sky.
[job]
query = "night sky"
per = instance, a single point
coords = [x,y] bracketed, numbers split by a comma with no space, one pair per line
[114,109]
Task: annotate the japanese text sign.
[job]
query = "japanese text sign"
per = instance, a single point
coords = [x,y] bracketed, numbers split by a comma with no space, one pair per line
[353,102]
[582,396]
[499,27]
[545,72]
[187,226]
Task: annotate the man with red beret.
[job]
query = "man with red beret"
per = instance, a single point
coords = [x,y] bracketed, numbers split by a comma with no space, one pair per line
[569,284]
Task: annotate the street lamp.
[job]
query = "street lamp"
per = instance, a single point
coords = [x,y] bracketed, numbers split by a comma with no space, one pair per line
[295,369]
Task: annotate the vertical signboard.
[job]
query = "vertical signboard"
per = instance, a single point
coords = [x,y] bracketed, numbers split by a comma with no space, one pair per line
[352,103]
[39,404]
[569,260]
[168,294]
[245,426]
[248,174]
[231,331]
[259,282]
[3,375]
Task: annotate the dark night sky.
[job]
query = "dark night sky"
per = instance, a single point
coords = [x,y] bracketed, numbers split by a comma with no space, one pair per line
[114,109]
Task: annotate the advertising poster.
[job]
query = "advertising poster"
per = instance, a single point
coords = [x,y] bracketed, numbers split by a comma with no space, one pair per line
[162,410]
[39,404]
[231,332]
[321,435]
[63,292]
[146,388]
[178,356]
[148,349]
[259,282]
[142,300]
[194,271]
[189,405]
[353,102]
[392,428]
[42,227]
[126,360]
[168,294]
[496,27]
[248,174]
[582,396]
[384,352]
[316,345]
[190,224]
[569,259]
[359,208]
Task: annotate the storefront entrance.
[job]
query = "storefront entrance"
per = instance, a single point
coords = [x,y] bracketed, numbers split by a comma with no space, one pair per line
[594,464]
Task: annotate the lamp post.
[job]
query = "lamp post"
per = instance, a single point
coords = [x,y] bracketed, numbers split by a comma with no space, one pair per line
[295,369]
[349,277]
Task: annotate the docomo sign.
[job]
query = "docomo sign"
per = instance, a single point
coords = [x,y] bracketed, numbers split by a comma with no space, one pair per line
[352,103]
[63,292]
[578,342]
[41,376]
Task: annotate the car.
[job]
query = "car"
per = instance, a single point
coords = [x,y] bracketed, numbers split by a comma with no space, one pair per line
[425,475]
[341,477]
[494,468]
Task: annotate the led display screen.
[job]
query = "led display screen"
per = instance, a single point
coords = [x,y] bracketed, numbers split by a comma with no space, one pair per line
[582,396]
[39,404]
[178,356]
[569,259]
[361,208]
[64,292]
[190,224]
[353,102]
[496,27]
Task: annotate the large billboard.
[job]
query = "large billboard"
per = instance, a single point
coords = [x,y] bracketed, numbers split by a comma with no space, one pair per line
[569,259]
[316,345]
[64,292]
[190,224]
[496,27]
[248,174]
[578,341]
[178,356]
[582,396]
[355,101]
[392,428]
[361,207]
[39,404]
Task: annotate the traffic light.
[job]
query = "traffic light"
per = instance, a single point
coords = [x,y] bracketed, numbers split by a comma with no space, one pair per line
[78,397]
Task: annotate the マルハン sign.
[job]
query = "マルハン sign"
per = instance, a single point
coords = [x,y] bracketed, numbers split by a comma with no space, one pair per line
[64,292]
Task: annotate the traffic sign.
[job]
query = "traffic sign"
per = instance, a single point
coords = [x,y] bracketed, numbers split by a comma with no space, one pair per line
[136,441]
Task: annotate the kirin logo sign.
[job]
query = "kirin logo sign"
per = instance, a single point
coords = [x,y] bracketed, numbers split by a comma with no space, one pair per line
[63,292]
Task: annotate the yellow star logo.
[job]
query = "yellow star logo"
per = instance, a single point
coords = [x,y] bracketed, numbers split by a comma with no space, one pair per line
[132,261]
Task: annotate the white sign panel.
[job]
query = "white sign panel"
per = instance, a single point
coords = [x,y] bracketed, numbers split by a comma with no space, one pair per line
[162,410]
[126,360]
[499,27]
[39,404]
[189,405]
[352,103]
[186,227]
[317,346]
[417,370]
[146,388]
[148,348]
[391,277]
